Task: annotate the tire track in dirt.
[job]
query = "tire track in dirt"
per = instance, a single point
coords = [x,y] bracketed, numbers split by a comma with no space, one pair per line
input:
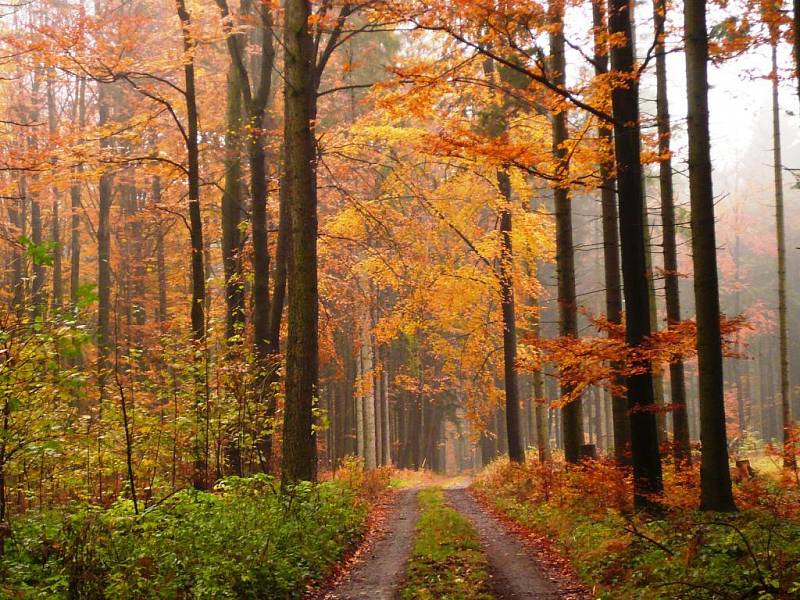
[379,571]
[515,574]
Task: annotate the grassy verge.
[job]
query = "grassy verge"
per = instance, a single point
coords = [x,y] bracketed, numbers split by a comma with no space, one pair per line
[682,554]
[447,561]
[245,540]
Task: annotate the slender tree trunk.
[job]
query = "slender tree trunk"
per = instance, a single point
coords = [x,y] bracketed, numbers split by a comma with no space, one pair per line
[200,466]
[57,299]
[368,393]
[627,142]
[75,205]
[516,450]
[680,419]
[161,267]
[571,413]
[611,260]
[540,403]
[715,479]
[232,214]
[780,234]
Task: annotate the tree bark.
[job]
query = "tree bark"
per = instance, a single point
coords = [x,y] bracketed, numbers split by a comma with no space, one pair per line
[715,480]
[680,419]
[611,260]
[232,214]
[200,466]
[75,205]
[571,413]
[57,299]
[627,143]
[780,233]
[302,346]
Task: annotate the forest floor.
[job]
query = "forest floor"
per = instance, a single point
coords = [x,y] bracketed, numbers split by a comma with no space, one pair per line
[516,571]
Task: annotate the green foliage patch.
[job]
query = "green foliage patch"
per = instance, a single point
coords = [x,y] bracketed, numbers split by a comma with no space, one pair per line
[447,562]
[246,540]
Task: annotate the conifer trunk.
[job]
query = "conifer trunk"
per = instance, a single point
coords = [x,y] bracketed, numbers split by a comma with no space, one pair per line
[627,143]
[571,413]
[680,419]
[715,479]
[611,260]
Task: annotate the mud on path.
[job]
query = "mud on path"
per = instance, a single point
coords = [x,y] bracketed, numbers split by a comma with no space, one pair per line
[379,571]
[515,573]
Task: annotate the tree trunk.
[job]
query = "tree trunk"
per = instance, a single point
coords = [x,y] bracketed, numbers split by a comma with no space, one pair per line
[232,214]
[611,260]
[516,451]
[302,347]
[715,479]
[627,144]
[57,299]
[368,393]
[680,419]
[571,413]
[200,466]
[540,407]
[75,205]
[780,234]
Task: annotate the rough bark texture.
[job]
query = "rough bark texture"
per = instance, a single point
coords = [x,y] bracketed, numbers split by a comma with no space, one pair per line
[627,143]
[57,299]
[680,419]
[572,413]
[302,346]
[611,264]
[715,479]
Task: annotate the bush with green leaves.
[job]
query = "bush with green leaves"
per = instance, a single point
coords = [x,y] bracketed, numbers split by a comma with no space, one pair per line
[248,539]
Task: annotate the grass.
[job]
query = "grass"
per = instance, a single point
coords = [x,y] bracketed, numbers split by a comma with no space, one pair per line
[681,554]
[447,562]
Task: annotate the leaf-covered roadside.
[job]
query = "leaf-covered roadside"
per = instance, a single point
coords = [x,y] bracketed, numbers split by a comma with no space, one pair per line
[680,554]
[447,561]
[246,540]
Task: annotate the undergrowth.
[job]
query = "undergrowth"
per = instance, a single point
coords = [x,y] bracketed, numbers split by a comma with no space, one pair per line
[247,539]
[587,512]
[447,561]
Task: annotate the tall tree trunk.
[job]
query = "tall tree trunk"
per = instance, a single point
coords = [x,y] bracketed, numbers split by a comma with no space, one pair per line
[516,450]
[540,407]
[796,41]
[715,479]
[75,205]
[57,299]
[161,267]
[200,466]
[302,346]
[611,264]
[780,234]
[571,413]
[368,393]
[627,143]
[680,418]
[232,214]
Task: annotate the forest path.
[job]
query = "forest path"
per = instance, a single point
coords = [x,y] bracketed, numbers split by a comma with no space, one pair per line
[514,571]
[379,572]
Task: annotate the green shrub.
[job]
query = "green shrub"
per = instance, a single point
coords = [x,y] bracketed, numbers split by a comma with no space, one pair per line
[246,540]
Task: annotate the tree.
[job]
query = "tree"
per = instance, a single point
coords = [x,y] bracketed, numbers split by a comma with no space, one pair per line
[627,145]
[715,479]
[302,345]
[611,265]
[680,417]
[571,413]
